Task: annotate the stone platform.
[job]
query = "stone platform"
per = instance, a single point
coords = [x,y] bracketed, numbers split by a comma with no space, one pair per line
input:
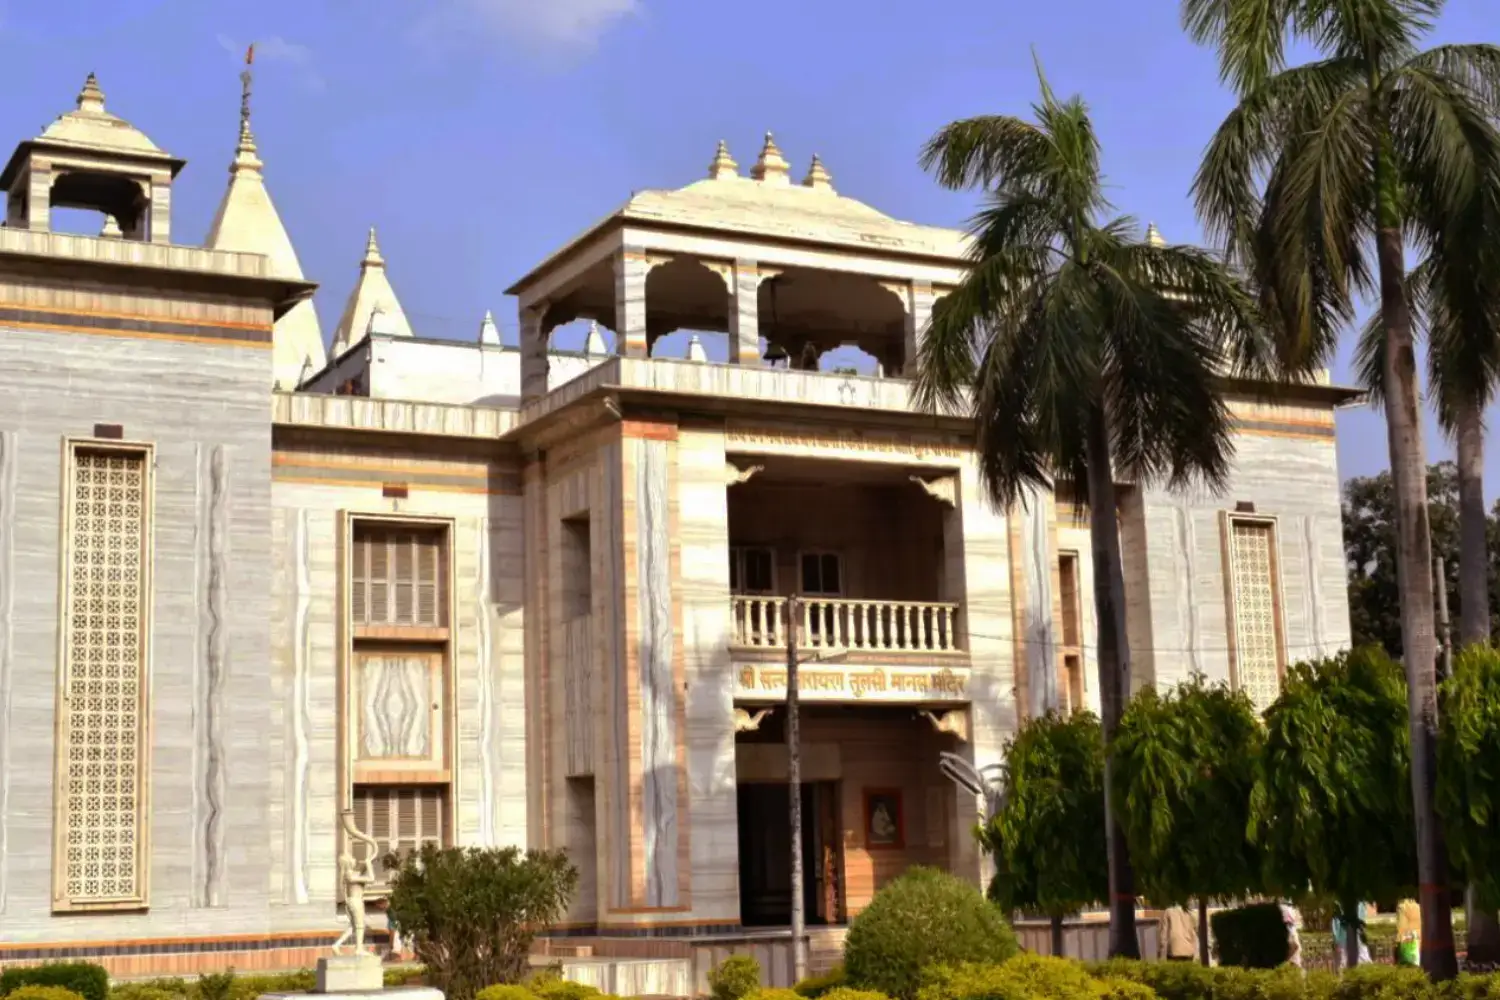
[393,993]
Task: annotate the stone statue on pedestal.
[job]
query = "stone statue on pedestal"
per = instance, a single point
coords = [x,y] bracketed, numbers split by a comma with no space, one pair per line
[355,875]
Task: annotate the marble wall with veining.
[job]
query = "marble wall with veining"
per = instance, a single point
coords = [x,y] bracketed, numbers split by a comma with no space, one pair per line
[203,409]
[1290,477]
[489,780]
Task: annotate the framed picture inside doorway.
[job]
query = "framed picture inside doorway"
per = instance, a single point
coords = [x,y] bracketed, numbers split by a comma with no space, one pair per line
[884,823]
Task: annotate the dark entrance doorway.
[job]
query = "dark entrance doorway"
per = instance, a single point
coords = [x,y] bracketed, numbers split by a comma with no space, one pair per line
[766,854]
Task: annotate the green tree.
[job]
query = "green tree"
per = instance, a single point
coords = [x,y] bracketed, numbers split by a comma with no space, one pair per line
[1047,838]
[1468,791]
[1331,811]
[1369,509]
[1315,183]
[1081,352]
[1186,766]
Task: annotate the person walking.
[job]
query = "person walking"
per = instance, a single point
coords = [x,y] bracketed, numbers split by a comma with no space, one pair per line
[1178,935]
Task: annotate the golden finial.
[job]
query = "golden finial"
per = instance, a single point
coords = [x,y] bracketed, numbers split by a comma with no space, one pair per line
[772,166]
[1153,235]
[723,165]
[818,178]
[372,252]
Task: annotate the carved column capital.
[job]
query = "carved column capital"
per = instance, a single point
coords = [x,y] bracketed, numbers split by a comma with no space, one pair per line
[943,489]
[734,475]
[745,722]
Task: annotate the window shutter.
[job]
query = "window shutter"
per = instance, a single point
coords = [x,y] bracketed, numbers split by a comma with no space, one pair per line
[380,579]
[401,818]
[399,578]
[359,580]
[430,575]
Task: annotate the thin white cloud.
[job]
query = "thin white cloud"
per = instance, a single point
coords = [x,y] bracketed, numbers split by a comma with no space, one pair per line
[274,48]
[570,26]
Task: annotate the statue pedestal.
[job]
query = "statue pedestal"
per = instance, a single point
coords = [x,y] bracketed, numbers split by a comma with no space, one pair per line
[358,973]
[331,987]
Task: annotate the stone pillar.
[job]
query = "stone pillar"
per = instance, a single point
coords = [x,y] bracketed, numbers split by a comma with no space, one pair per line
[39,197]
[159,211]
[744,281]
[918,318]
[533,352]
[632,266]
[1036,633]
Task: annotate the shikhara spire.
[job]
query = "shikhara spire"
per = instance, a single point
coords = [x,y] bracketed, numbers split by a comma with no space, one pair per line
[372,306]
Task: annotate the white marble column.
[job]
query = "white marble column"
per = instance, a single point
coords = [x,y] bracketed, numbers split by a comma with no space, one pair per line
[632,266]
[533,353]
[744,311]
[39,196]
[1038,636]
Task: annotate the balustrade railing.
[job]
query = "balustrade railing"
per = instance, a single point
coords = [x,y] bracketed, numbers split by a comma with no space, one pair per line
[837,623]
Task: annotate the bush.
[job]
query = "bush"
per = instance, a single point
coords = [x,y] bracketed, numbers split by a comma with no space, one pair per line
[850,993]
[1111,988]
[86,979]
[43,993]
[145,991]
[407,975]
[773,993]
[814,987]
[734,978]
[925,917]
[1189,981]
[550,985]
[1253,937]
[470,914]
[505,991]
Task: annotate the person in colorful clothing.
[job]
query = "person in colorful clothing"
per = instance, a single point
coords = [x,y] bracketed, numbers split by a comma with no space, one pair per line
[1408,932]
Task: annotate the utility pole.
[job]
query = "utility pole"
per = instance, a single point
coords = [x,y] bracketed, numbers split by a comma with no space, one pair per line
[794,790]
[1445,637]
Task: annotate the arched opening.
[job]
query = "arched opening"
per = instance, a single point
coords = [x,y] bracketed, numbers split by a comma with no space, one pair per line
[684,295]
[813,320]
[94,204]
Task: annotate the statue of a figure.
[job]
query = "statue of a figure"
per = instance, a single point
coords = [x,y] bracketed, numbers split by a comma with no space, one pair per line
[355,874]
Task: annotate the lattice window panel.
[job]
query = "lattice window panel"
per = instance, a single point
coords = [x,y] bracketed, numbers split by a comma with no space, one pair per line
[399,576]
[1257,653]
[102,770]
[401,818]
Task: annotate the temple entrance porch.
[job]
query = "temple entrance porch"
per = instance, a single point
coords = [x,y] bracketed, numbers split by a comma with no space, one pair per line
[874,803]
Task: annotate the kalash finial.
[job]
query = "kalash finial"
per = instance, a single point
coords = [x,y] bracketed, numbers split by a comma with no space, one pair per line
[818,178]
[772,167]
[372,252]
[1154,236]
[723,166]
[91,98]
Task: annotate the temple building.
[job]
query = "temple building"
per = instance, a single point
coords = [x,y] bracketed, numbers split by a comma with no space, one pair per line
[491,594]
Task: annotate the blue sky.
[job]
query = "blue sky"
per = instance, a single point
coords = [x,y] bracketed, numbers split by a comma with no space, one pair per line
[479,135]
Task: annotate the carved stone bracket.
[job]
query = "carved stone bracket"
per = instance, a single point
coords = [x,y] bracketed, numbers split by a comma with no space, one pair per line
[955,721]
[655,260]
[734,475]
[943,489]
[745,722]
[724,269]
[764,274]
[900,289]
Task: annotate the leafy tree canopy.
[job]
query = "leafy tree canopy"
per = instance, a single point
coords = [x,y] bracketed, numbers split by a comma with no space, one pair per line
[1370,551]
[1332,806]
[1048,837]
[1468,789]
[1186,766]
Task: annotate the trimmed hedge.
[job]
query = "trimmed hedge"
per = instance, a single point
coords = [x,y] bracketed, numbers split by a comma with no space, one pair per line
[734,978]
[86,979]
[814,987]
[43,993]
[1252,937]
[923,918]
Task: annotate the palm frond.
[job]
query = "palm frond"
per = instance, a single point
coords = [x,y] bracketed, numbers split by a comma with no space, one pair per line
[1475,66]
[1379,33]
[985,151]
[1250,35]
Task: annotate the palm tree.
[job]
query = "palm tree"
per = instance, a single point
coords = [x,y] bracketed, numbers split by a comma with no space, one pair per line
[1315,183]
[1080,351]
[1463,368]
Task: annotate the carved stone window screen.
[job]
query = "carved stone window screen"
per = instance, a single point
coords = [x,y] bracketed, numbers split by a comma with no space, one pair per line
[101,850]
[398,575]
[1257,655]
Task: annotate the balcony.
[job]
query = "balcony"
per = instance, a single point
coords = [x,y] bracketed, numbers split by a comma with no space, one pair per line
[760,622]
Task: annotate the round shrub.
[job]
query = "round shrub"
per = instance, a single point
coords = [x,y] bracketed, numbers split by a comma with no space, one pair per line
[734,978]
[505,991]
[850,993]
[814,987]
[926,917]
[773,993]
[42,993]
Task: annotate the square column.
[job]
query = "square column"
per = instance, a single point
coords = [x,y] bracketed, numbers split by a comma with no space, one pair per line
[533,353]
[920,299]
[632,266]
[744,279]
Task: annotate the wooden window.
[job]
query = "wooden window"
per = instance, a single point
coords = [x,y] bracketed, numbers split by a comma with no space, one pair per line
[822,574]
[1257,659]
[102,835]
[1073,683]
[401,818]
[752,570]
[399,576]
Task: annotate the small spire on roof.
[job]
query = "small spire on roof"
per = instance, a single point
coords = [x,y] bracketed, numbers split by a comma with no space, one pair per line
[111,228]
[372,252]
[489,333]
[1153,235]
[772,167]
[695,351]
[91,98]
[818,178]
[594,342]
[246,148]
[723,165]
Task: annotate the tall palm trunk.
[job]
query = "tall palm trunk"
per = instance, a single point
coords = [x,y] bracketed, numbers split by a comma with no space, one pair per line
[1414,577]
[1483,944]
[1114,675]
